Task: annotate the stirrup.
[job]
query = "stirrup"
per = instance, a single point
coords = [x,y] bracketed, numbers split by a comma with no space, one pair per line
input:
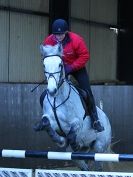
[97,126]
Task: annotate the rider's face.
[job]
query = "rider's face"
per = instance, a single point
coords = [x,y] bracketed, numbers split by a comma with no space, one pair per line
[60,37]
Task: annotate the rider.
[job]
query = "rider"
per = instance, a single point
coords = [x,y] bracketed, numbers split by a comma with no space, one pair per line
[75,58]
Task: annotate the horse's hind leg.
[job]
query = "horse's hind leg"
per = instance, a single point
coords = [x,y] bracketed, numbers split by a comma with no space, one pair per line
[99,147]
[82,165]
[79,163]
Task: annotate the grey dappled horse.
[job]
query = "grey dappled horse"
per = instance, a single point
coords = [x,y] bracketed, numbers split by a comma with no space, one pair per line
[64,115]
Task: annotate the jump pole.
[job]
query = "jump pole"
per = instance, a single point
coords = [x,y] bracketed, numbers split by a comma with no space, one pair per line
[8,153]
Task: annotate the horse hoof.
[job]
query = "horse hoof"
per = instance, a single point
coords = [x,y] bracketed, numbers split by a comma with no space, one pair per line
[75,147]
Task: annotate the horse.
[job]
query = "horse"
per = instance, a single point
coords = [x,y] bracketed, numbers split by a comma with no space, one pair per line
[64,116]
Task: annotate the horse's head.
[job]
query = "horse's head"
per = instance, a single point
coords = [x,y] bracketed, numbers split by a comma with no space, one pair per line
[53,67]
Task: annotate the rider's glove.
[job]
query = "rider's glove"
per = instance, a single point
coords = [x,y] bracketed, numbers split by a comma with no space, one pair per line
[68,69]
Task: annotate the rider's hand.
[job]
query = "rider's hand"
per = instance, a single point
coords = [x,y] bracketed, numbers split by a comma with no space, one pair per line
[68,69]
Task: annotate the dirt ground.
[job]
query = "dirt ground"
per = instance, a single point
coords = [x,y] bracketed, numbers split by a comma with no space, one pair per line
[110,167]
[119,167]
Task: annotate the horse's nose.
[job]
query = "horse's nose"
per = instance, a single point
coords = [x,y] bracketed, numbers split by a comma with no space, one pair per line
[52,92]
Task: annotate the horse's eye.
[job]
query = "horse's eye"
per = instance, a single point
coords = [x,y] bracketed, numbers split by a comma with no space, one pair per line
[44,68]
[60,65]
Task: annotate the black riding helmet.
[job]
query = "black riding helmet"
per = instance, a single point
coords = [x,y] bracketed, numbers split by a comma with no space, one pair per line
[59,26]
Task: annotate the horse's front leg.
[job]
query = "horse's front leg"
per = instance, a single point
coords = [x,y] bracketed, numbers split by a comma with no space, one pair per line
[71,138]
[59,140]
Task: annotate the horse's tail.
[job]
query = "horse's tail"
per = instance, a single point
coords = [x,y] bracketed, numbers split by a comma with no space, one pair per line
[110,165]
[101,105]
[110,149]
[111,146]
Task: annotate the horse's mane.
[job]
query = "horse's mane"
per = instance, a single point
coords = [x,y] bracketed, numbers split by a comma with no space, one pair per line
[47,50]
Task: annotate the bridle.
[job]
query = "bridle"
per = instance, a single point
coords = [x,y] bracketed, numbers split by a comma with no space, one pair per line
[50,74]
[61,80]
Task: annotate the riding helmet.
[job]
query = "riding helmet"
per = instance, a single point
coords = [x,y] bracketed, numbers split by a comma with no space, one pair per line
[59,26]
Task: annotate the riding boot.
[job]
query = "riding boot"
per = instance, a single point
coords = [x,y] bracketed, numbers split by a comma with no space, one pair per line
[40,125]
[93,112]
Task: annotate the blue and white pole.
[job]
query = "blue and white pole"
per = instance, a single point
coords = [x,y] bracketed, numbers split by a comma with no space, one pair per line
[65,155]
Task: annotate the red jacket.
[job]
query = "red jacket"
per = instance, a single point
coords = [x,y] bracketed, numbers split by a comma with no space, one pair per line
[75,50]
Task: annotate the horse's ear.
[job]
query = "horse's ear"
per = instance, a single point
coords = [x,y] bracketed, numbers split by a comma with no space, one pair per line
[42,50]
[59,49]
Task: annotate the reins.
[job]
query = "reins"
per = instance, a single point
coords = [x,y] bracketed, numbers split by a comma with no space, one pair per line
[61,102]
[59,84]
[43,82]
[54,107]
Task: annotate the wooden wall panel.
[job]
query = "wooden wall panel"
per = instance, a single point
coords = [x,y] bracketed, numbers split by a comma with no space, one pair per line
[91,22]
[4,46]
[26,34]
